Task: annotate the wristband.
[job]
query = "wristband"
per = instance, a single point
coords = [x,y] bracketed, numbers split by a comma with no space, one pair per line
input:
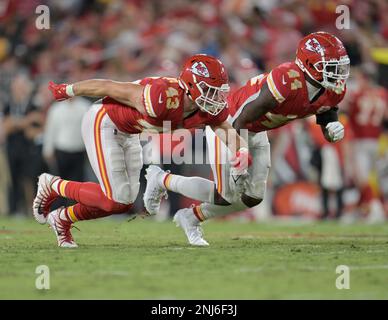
[69,90]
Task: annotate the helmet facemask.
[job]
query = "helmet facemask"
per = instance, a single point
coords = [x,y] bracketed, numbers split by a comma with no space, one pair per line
[205,82]
[212,99]
[334,73]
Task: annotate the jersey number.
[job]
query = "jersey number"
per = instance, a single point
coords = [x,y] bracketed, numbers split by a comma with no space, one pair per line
[371,111]
[172,98]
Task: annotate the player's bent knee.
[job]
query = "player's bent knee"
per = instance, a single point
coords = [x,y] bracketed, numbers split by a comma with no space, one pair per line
[133,191]
[126,193]
[256,190]
[250,202]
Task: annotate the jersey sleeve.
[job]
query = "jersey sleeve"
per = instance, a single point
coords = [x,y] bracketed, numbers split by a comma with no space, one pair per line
[155,98]
[279,83]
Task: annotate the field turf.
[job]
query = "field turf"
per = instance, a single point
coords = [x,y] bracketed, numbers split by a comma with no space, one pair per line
[143,259]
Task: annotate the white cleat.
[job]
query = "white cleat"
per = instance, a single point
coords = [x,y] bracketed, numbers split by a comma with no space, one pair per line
[185,219]
[45,196]
[61,229]
[154,193]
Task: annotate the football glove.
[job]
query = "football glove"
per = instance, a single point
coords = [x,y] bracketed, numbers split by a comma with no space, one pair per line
[242,160]
[61,91]
[335,131]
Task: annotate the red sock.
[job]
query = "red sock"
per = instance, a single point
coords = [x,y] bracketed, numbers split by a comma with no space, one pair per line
[88,194]
[80,212]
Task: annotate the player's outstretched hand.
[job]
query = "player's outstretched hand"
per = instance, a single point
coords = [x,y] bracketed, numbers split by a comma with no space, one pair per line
[61,91]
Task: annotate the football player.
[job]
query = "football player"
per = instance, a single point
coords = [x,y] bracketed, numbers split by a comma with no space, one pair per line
[368,114]
[110,131]
[314,84]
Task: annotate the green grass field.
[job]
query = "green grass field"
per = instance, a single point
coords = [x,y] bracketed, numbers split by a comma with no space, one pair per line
[148,260]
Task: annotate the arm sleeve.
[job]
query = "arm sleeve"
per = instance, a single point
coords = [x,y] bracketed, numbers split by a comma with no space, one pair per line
[154,99]
[328,116]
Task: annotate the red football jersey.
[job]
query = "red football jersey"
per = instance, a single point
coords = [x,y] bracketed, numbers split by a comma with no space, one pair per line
[163,101]
[367,109]
[287,84]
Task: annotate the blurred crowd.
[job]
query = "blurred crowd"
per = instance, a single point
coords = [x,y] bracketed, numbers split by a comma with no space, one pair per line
[131,39]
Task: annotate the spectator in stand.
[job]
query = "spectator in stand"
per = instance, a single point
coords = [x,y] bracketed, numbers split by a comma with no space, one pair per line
[21,125]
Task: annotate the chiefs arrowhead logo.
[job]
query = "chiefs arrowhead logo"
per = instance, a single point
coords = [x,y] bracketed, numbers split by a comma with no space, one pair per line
[314,46]
[200,69]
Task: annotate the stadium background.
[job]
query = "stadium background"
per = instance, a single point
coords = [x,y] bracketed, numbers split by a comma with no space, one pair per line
[128,40]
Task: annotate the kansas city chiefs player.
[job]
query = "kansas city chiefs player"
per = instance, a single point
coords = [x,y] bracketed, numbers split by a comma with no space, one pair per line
[368,114]
[110,131]
[312,85]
